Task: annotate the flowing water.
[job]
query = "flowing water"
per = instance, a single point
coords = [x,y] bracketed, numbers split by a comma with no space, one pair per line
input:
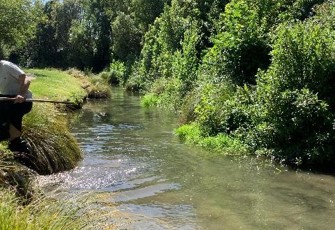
[140,176]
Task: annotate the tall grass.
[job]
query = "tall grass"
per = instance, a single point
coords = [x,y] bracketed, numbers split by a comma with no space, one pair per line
[54,147]
[95,85]
[46,127]
[38,215]
[220,143]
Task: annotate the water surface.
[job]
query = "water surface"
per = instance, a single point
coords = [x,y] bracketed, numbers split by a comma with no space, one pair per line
[140,176]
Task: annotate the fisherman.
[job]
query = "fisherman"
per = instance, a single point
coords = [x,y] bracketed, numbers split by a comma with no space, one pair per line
[14,83]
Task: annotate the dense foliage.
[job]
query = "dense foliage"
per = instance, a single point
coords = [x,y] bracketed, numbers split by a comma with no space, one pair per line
[75,33]
[263,78]
[18,19]
[252,74]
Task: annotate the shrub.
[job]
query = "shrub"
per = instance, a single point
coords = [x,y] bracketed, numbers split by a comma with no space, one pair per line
[241,47]
[149,100]
[185,61]
[115,74]
[295,97]
[223,109]
[222,143]
[299,126]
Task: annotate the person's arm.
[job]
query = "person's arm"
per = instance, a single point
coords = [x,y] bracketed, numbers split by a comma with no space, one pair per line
[24,82]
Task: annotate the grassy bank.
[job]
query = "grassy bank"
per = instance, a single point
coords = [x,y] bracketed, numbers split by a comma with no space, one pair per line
[46,128]
[57,85]
[40,214]
[46,125]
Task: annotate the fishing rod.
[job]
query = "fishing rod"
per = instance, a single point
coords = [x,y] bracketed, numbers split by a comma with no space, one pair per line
[38,100]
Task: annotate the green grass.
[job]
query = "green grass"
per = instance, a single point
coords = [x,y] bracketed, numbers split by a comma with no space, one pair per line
[221,143]
[54,147]
[46,128]
[38,215]
[56,85]
[149,100]
[95,85]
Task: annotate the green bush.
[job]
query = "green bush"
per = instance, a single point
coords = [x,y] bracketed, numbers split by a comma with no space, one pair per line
[295,97]
[241,47]
[223,109]
[299,126]
[171,88]
[115,74]
[149,100]
[185,61]
[173,37]
[221,143]
[209,104]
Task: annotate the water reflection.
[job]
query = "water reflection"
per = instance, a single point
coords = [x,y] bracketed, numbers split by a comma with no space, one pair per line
[134,164]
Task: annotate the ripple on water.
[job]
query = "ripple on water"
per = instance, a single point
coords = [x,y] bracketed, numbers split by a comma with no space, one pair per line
[159,216]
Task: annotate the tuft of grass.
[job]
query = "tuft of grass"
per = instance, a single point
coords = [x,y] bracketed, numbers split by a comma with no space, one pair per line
[46,129]
[54,147]
[223,144]
[16,177]
[40,214]
[149,100]
[95,86]
[98,88]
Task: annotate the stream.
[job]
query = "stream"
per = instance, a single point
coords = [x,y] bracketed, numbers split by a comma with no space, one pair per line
[136,174]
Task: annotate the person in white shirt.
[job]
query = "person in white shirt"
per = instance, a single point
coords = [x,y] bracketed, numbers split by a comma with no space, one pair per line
[14,83]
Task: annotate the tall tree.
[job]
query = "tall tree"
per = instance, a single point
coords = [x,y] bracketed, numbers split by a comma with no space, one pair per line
[146,11]
[17,19]
[65,15]
[167,36]
[45,44]
[101,29]
[126,38]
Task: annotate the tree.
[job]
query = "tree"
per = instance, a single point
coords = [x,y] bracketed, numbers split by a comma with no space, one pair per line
[146,11]
[18,19]
[89,38]
[45,44]
[126,38]
[65,15]
[296,95]
[81,45]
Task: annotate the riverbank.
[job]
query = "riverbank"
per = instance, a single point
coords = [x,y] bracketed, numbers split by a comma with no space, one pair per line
[46,128]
